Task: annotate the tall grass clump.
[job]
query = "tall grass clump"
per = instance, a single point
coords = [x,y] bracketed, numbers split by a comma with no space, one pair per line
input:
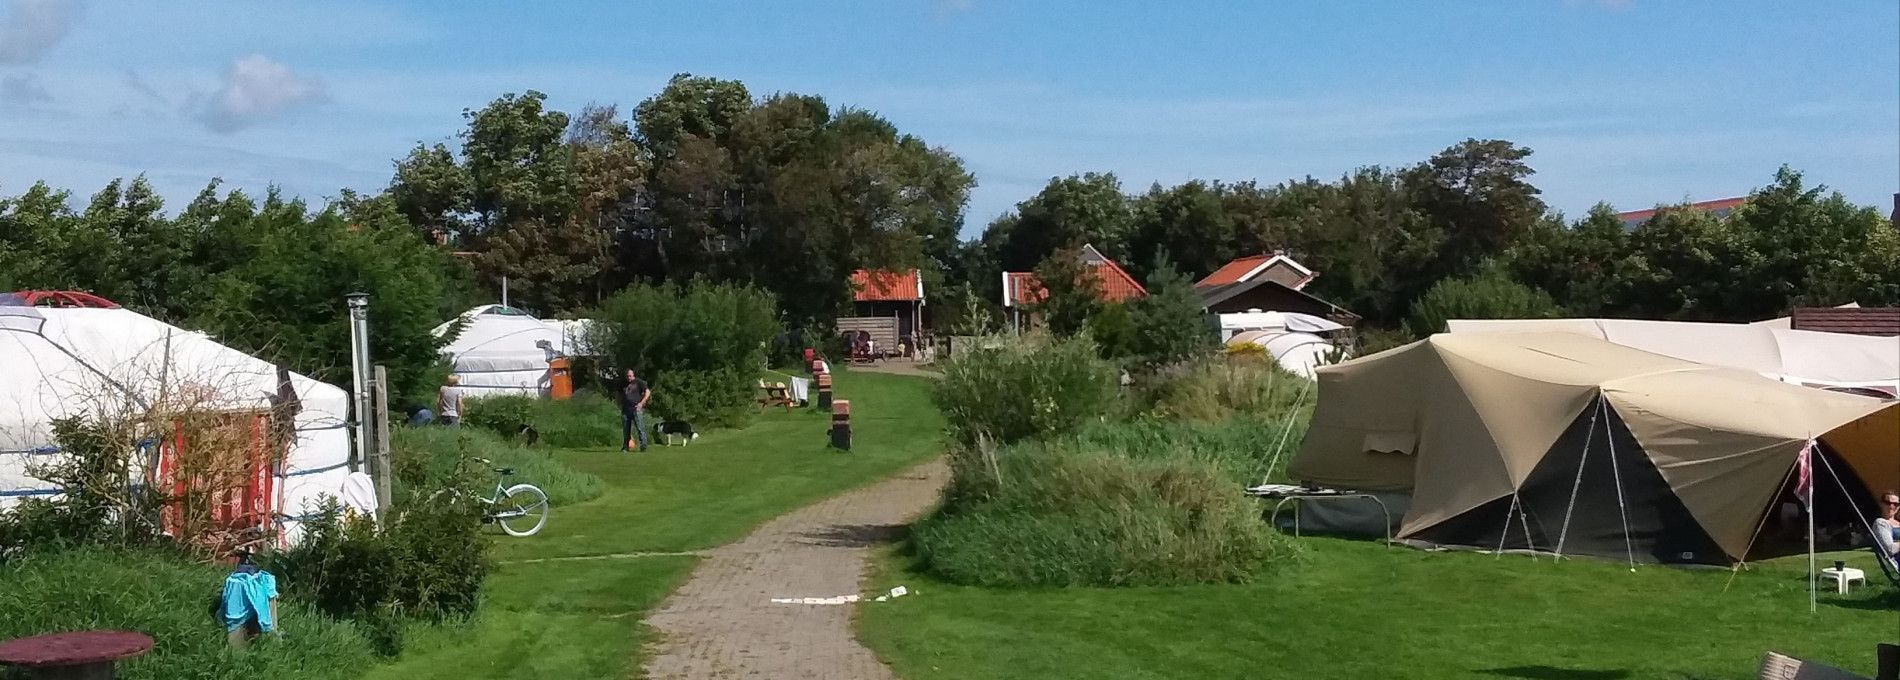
[588,420]
[1220,387]
[428,457]
[1063,513]
[170,598]
[1013,390]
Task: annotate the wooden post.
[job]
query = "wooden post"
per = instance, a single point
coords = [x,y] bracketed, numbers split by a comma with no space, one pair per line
[382,441]
[841,425]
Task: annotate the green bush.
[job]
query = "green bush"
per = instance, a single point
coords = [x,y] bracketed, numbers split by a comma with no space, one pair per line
[700,347]
[1062,514]
[589,420]
[426,457]
[1170,324]
[169,598]
[1015,389]
[1113,330]
[426,562]
[1486,296]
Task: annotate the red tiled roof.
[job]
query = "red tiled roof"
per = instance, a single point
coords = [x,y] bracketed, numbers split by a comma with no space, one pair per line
[1022,288]
[1719,205]
[1248,267]
[887,286]
[1881,321]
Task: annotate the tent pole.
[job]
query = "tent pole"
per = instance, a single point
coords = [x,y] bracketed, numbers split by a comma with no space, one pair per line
[1621,511]
[1742,561]
[1505,533]
[1807,461]
[1575,486]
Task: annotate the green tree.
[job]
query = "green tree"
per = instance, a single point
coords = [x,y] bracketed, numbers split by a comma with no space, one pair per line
[432,190]
[1490,295]
[1189,222]
[1170,323]
[1114,332]
[690,106]
[1086,208]
[1071,289]
[517,164]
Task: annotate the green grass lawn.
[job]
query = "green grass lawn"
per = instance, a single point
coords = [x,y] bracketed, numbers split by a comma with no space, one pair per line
[1354,609]
[581,618]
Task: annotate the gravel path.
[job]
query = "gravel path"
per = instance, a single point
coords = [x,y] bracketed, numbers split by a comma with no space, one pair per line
[723,623]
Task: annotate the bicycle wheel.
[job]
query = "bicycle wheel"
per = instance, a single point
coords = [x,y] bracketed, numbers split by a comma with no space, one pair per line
[522,511]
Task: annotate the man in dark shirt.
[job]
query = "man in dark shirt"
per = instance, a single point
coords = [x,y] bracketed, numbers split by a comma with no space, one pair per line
[633,412]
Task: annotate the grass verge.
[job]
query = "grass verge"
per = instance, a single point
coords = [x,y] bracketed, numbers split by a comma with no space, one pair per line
[581,617]
[1359,610]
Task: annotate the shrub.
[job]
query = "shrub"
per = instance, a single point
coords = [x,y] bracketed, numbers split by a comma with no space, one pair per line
[700,348]
[1486,296]
[1214,389]
[1014,389]
[428,562]
[588,420]
[1170,324]
[162,595]
[1113,330]
[429,457]
[1066,514]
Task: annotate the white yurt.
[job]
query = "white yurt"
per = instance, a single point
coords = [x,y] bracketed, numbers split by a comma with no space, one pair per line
[502,350]
[61,362]
[1295,341]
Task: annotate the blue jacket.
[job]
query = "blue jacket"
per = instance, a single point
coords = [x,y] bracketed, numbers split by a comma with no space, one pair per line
[247,596]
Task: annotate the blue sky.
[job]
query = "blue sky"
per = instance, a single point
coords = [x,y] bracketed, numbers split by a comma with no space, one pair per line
[1629,101]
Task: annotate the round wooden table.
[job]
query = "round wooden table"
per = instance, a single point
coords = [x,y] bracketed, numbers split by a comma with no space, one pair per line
[78,655]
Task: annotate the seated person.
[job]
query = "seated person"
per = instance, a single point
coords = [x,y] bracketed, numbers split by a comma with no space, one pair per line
[1887,528]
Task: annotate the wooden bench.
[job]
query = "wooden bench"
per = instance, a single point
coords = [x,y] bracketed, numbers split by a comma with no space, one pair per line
[776,394]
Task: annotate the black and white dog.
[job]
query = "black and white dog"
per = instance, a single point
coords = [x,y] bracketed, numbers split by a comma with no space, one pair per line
[669,429]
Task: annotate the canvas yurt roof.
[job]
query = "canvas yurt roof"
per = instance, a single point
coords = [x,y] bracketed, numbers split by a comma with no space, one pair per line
[504,350]
[1801,357]
[69,362]
[1475,423]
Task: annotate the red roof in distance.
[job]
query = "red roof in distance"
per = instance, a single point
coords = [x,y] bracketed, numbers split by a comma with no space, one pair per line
[64,298]
[887,286]
[1719,207]
[1022,288]
[1246,268]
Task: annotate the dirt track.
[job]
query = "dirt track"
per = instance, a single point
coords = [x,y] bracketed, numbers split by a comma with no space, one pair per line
[723,623]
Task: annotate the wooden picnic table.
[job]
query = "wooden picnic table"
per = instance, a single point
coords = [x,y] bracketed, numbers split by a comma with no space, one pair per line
[76,655]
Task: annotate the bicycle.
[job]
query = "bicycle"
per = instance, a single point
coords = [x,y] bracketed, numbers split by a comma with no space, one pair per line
[521,510]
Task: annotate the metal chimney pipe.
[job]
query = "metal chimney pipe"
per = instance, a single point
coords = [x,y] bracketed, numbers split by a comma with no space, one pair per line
[360,376]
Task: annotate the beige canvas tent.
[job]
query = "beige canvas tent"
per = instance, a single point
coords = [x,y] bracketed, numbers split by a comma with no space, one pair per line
[1565,443]
[1799,357]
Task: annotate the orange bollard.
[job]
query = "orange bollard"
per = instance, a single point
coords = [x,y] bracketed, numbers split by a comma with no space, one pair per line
[560,378]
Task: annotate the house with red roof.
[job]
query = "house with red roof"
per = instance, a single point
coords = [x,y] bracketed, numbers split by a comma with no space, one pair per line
[1718,208]
[1269,282]
[1021,290]
[887,304]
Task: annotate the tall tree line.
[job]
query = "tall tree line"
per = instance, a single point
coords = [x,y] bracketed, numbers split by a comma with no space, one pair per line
[1382,237]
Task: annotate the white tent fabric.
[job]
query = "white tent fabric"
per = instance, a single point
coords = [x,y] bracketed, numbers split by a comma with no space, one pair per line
[1800,357]
[1240,322]
[503,350]
[1299,353]
[1788,321]
[61,362]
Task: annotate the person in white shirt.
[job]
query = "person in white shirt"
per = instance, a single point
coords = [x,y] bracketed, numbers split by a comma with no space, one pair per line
[1887,528]
[449,410]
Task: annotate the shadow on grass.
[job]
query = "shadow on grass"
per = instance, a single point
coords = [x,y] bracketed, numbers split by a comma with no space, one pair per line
[1554,673]
[856,535]
[1887,601]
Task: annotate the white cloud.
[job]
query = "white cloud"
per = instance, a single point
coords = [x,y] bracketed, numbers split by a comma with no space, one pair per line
[257,89]
[32,27]
[23,90]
